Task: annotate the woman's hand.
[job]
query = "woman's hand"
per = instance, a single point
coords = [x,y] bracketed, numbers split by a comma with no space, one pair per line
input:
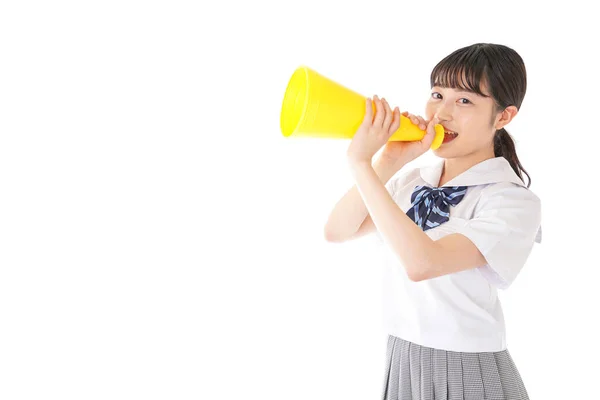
[401,152]
[374,132]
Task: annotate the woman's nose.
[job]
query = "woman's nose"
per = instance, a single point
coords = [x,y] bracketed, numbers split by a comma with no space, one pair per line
[443,113]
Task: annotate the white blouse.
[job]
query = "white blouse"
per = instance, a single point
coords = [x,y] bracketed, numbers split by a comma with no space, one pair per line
[461,311]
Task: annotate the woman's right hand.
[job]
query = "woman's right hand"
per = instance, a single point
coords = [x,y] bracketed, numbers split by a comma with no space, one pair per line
[399,153]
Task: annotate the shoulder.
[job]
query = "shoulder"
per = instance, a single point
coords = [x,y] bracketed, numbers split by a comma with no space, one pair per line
[511,207]
[508,194]
[405,174]
[402,179]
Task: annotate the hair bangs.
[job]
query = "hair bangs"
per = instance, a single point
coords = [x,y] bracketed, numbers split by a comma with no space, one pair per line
[463,70]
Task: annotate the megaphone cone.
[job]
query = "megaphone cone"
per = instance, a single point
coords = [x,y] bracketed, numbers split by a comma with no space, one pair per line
[315,106]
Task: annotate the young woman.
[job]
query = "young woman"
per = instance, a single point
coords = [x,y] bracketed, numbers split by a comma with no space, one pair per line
[455,231]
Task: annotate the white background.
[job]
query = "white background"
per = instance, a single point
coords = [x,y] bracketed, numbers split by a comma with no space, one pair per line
[160,238]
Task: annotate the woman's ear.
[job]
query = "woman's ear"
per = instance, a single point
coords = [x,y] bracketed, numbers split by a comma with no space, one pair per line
[506,116]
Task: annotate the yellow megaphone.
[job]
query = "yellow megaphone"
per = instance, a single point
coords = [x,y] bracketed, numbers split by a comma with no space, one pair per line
[315,106]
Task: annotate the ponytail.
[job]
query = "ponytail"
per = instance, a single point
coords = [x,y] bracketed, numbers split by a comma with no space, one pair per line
[504,146]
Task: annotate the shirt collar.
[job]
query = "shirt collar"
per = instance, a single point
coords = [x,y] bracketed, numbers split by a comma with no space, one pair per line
[492,170]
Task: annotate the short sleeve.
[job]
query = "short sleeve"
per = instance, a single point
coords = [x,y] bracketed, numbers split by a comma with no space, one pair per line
[400,179]
[505,225]
[391,186]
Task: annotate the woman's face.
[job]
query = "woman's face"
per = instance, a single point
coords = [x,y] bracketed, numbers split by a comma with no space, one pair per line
[467,114]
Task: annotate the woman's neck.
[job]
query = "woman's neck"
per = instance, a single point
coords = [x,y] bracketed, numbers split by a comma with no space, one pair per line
[453,167]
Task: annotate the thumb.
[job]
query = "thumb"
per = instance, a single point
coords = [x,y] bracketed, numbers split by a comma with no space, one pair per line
[368,119]
[430,132]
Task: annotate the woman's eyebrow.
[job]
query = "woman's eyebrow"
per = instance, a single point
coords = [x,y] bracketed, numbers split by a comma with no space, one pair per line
[460,90]
[471,92]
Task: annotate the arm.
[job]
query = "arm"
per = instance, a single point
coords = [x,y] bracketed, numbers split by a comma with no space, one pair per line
[350,219]
[422,257]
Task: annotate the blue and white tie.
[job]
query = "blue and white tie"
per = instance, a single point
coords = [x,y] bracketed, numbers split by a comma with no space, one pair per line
[430,207]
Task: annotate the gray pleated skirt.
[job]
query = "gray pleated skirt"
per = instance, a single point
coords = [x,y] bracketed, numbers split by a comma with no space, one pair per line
[414,372]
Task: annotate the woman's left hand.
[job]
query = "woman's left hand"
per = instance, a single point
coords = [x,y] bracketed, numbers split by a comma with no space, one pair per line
[374,132]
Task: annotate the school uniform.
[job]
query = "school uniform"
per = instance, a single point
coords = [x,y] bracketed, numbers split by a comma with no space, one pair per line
[446,335]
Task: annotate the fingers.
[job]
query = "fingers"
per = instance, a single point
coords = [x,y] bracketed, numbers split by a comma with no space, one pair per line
[431,124]
[422,124]
[430,132]
[368,112]
[384,118]
[416,119]
[388,115]
[379,112]
[395,121]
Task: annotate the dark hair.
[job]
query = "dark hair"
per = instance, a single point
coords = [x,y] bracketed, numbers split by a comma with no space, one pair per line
[503,71]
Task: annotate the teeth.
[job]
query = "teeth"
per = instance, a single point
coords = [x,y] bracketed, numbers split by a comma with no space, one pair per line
[451,133]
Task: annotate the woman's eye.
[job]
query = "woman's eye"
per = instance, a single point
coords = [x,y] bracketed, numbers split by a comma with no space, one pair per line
[436,94]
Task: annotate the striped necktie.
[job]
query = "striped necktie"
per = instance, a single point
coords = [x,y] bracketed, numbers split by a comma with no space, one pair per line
[430,207]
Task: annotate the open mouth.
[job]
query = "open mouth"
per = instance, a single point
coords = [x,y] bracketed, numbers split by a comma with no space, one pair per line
[449,135]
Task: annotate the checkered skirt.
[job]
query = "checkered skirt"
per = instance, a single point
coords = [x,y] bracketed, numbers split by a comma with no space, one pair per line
[414,372]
